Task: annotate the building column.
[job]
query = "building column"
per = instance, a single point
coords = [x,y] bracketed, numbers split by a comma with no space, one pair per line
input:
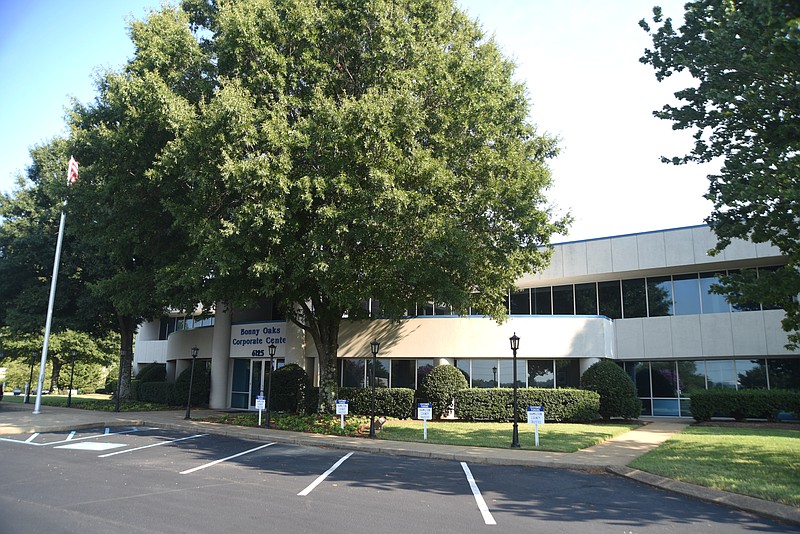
[586,363]
[220,358]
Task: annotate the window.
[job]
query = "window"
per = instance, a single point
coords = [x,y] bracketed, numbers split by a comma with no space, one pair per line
[687,294]
[521,302]
[541,301]
[659,296]
[423,368]
[751,374]
[664,379]
[610,299]
[563,300]
[568,373]
[485,373]
[721,374]
[710,302]
[634,298]
[353,373]
[506,373]
[586,299]
[540,374]
[403,375]
[381,373]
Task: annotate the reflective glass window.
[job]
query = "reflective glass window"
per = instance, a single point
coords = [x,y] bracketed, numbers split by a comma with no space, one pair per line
[664,380]
[784,373]
[686,288]
[541,301]
[540,374]
[586,299]
[403,374]
[381,372]
[691,376]
[484,373]
[721,374]
[745,306]
[506,373]
[521,302]
[425,309]
[568,374]
[438,309]
[354,373]
[751,374]
[762,272]
[634,298]
[464,367]
[659,296]
[711,302]
[563,300]
[423,368]
[610,299]
[666,407]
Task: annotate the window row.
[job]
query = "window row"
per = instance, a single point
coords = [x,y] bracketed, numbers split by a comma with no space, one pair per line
[169,325]
[665,386]
[480,373]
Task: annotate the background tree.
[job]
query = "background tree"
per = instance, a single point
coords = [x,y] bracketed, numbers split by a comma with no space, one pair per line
[745,109]
[367,149]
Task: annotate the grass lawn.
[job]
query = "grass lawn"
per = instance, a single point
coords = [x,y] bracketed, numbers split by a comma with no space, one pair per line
[557,437]
[91,401]
[758,462]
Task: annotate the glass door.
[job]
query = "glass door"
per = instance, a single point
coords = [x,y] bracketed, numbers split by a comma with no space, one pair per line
[256,381]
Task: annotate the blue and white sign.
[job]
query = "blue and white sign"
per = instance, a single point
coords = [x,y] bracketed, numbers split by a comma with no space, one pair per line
[535,415]
[261,403]
[425,411]
[341,407]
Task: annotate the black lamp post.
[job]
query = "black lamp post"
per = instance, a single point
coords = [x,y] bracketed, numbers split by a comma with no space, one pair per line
[30,380]
[195,350]
[72,353]
[374,347]
[514,346]
[494,375]
[271,350]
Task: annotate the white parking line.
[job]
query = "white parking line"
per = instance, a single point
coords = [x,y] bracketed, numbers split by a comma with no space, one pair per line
[33,437]
[151,445]
[487,515]
[215,462]
[71,435]
[324,475]
[29,441]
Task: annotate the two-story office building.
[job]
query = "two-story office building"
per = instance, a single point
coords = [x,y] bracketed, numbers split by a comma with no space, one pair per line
[642,300]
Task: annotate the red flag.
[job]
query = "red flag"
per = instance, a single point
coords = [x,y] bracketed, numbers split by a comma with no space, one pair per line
[72,173]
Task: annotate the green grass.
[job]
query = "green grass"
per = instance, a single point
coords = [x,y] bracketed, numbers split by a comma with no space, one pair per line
[763,463]
[556,437]
[100,402]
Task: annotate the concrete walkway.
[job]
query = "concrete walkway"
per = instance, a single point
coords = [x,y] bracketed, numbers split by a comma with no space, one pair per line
[611,456]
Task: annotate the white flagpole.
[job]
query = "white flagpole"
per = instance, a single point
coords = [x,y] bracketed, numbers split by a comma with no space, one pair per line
[71,178]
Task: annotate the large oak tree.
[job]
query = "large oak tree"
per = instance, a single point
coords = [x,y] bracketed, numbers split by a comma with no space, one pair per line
[744,107]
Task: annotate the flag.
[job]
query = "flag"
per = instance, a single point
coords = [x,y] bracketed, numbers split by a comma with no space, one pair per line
[72,173]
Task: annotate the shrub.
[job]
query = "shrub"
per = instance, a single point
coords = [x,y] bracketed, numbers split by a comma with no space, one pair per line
[744,404]
[289,384]
[617,391]
[152,372]
[158,393]
[200,388]
[389,402]
[496,404]
[440,387]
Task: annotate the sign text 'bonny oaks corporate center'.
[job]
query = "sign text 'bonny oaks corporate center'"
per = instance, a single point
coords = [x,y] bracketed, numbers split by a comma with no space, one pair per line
[251,340]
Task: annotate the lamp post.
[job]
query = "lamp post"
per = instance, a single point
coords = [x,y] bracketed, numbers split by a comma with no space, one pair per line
[195,350]
[72,353]
[514,346]
[494,376]
[271,350]
[374,347]
[30,380]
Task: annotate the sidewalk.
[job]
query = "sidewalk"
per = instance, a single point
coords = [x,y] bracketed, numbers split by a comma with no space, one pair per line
[611,456]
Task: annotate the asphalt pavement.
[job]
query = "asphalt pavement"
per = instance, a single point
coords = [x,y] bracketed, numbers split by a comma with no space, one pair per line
[611,456]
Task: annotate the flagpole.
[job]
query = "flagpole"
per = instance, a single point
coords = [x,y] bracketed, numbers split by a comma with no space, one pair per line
[72,176]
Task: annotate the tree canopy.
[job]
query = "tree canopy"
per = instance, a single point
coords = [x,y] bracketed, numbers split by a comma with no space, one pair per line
[744,108]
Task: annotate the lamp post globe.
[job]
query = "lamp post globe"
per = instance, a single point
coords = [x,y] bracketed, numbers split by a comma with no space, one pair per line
[514,346]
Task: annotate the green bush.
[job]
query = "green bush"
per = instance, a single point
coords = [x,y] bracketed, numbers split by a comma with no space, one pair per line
[617,391]
[158,393]
[389,402]
[744,404]
[496,404]
[152,372]
[201,387]
[289,385]
[440,387]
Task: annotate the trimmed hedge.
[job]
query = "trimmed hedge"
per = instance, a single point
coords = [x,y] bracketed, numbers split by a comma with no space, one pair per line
[440,387]
[744,404]
[496,404]
[201,386]
[618,397]
[289,385]
[157,393]
[152,372]
[389,402]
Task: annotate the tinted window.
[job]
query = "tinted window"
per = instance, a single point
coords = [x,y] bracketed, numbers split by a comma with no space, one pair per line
[659,296]
[520,302]
[563,300]
[634,298]
[586,299]
[711,303]
[541,301]
[610,299]
[687,294]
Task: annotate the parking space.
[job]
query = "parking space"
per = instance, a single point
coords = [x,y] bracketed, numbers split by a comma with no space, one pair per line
[149,476]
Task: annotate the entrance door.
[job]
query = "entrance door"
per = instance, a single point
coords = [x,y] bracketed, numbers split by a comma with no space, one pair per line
[256,381]
[256,374]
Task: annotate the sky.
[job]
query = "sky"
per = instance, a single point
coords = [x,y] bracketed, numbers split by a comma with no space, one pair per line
[578,58]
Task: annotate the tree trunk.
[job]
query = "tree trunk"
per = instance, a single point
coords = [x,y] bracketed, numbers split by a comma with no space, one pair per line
[54,376]
[323,325]
[127,328]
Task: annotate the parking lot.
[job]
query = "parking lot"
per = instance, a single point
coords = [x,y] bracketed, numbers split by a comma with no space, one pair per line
[145,479]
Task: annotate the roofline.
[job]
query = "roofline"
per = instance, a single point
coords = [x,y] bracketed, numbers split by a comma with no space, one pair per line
[632,234]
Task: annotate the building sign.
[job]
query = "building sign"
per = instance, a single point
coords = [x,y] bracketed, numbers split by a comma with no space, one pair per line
[252,339]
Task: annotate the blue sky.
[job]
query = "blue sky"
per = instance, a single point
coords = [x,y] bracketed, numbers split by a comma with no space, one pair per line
[579,59]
